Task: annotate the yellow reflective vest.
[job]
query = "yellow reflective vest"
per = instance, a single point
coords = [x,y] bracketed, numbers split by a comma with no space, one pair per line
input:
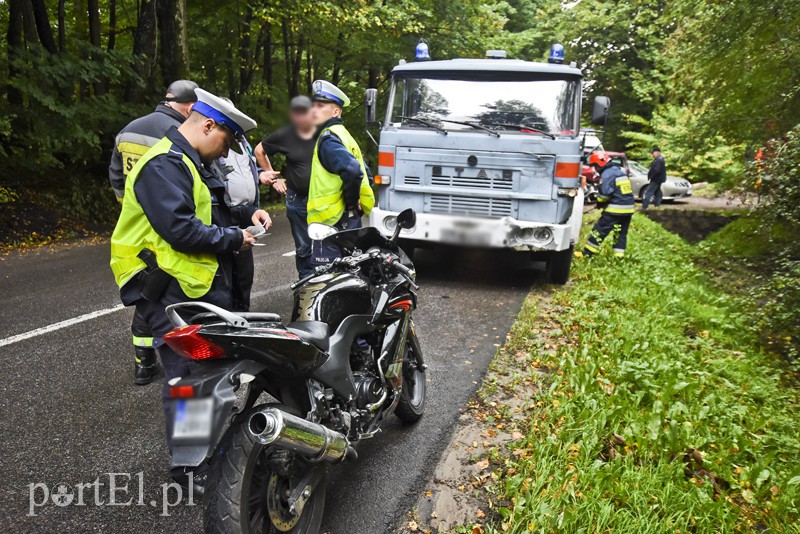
[325,197]
[194,272]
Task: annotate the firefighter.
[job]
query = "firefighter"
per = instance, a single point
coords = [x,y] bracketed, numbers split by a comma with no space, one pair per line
[616,200]
[175,240]
[339,189]
[131,143]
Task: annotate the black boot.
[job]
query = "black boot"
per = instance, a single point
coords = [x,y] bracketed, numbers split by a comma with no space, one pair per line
[145,366]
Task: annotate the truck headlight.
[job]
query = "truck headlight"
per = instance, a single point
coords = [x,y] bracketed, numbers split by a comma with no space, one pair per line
[390,223]
[543,234]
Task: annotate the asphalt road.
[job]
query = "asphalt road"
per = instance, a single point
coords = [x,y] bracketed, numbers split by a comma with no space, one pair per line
[70,414]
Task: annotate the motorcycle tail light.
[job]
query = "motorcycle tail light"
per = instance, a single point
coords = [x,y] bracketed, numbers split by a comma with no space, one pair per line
[186,341]
[181,392]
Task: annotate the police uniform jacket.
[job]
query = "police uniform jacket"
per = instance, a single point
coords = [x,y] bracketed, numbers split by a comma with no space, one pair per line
[164,190]
[145,131]
[338,160]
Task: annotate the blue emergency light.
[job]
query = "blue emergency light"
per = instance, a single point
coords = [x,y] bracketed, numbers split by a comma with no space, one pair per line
[422,51]
[556,54]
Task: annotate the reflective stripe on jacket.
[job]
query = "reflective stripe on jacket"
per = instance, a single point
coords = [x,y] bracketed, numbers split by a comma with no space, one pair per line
[193,271]
[133,141]
[325,195]
[616,191]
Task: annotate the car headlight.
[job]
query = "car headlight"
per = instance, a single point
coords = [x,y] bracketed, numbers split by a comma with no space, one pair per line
[543,234]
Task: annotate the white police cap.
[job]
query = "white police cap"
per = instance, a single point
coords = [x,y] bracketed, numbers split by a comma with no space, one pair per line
[327,92]
[225,114]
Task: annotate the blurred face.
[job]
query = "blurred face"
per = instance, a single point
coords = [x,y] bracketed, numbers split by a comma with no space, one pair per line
[656,153]
[324,111]
[301,119]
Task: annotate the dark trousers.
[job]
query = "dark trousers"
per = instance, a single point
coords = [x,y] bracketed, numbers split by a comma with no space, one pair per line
[297,213]
[243,272]
[323,254]
[653,191]
[174,365]
[140,328]
[604,226]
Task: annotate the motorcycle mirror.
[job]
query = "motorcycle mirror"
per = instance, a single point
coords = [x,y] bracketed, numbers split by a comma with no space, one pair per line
[407,219]
[319,231]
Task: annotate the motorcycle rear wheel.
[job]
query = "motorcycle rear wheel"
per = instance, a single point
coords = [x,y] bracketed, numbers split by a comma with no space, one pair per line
[243,491]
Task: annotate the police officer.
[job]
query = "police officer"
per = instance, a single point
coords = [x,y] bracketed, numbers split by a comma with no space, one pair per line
[131,143]
[339,190]
[241,175]
[174,241]
[616,200]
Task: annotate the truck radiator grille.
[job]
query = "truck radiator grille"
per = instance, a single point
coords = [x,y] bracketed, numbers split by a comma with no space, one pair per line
[483,182]
[411,180]
[482,207]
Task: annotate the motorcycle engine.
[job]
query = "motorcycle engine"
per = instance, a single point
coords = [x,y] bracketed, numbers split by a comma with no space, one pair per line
[368,389]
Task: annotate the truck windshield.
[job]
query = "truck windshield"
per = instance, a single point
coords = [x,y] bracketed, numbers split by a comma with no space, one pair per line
[536,106]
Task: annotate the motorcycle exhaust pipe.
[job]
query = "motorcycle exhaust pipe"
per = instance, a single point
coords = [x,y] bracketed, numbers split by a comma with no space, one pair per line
[272,426]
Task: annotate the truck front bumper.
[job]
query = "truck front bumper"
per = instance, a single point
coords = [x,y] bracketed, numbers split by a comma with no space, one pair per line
[505,232]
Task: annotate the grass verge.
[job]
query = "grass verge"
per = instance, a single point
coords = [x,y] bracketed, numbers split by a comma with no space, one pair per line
[653,407]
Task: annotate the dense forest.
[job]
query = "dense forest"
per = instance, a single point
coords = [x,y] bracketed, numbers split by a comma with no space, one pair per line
[709,81]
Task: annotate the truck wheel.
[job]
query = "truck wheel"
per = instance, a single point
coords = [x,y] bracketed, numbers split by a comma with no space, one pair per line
[558,266]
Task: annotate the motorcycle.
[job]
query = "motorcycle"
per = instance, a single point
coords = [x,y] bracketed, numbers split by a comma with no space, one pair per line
[347,360]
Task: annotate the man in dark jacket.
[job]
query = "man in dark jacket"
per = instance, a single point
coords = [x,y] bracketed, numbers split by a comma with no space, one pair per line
[131,144]
[657,175]
[174,208]
[616,200]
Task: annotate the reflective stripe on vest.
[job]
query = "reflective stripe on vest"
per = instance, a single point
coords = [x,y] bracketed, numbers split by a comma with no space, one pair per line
[131,147]
[619,208]
[194,272]
[325,198]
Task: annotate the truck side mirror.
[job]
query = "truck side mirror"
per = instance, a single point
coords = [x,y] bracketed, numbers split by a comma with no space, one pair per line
[600,110]
[370,105]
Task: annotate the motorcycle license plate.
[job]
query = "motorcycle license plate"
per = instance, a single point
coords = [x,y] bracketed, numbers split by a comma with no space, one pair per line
[193,418]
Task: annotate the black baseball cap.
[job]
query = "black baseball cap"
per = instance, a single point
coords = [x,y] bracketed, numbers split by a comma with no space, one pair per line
[182,91]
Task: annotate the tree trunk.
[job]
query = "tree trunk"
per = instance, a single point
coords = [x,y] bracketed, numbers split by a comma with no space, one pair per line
[43,26]
[336,72]
[93,9]
[62,31]
[14,40]
[268,64]
[245,61]
[112,24]
[144,50]
[287,56]
[296,67]
[29,22]
[174,48]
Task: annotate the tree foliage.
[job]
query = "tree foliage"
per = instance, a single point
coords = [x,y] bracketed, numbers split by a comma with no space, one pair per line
[708,80]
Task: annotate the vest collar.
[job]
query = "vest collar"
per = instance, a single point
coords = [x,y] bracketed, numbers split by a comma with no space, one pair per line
[327,124]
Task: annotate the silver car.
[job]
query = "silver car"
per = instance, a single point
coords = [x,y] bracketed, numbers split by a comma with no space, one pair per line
[672,189]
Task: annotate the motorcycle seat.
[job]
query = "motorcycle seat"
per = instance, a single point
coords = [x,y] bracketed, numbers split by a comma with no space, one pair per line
[314,332]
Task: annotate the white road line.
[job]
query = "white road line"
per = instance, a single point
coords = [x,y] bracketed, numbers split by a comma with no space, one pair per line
[99,313]
[58,326]
[289,254]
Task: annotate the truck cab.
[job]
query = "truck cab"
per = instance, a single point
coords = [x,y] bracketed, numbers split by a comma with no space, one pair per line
[488,154]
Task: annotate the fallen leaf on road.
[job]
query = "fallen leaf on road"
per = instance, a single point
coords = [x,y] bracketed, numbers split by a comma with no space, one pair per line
[477,529]
[483,464]
[412,526]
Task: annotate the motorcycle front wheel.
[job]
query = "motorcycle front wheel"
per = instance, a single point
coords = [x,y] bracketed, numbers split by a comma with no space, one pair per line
[245,494]
[411,405]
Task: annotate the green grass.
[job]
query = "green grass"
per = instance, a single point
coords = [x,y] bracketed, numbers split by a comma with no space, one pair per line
[747,237]
[659,412]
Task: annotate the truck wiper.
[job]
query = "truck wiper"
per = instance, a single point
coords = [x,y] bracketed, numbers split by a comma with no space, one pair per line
[427,123]
[523,127]
[475,125]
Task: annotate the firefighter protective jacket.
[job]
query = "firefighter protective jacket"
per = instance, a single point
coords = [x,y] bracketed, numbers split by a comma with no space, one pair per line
[616,194]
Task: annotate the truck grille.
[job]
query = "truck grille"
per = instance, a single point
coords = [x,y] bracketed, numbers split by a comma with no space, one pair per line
[482,207]
[480,182]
